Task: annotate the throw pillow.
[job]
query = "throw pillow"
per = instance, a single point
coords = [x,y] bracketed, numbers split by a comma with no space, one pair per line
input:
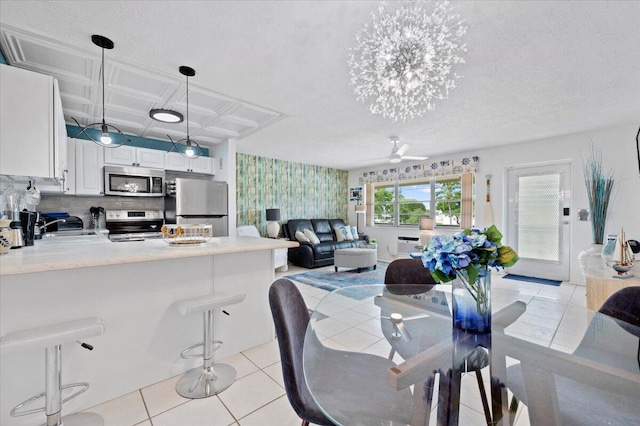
[354,232]
[313,238]
[343,233]
[301,237]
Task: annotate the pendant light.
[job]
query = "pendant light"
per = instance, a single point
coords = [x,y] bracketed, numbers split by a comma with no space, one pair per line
[191,148]
[166,115]
[99,132]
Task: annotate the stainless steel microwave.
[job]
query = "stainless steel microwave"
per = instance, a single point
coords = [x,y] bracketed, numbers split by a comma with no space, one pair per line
[133,181]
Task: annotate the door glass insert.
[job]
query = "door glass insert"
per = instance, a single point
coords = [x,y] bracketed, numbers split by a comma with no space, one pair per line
[538,217]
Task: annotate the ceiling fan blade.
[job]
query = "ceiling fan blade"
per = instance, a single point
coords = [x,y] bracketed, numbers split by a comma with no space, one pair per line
[416,316]
[404,148]
[406,157]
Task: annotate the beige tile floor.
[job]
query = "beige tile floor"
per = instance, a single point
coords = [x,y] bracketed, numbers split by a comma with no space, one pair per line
[258,396]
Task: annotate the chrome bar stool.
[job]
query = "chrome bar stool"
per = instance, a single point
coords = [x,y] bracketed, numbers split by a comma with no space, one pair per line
[51,338]
[211,378]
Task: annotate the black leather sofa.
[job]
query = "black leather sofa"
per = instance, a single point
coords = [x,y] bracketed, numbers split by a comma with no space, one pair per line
[309,255]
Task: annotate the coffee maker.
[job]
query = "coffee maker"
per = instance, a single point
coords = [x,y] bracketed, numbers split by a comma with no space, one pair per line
[28,220]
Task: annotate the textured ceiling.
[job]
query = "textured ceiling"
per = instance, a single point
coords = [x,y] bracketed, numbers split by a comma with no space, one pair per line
[534,69]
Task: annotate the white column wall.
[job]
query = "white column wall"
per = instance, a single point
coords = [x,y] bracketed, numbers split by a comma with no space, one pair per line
[225,154]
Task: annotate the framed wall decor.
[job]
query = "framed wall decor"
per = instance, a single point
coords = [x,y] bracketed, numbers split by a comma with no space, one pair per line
[355,194]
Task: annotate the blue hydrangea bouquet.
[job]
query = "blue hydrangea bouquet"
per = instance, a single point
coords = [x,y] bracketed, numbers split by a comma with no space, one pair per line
[466,258]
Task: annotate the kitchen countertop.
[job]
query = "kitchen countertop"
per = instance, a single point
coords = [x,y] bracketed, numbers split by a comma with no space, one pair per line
[60,256]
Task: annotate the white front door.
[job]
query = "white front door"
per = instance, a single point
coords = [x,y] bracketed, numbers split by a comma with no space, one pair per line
[539,201]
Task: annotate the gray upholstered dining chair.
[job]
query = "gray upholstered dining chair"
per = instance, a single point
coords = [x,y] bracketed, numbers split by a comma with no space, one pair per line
[581,404]
[408,271]
[291,318]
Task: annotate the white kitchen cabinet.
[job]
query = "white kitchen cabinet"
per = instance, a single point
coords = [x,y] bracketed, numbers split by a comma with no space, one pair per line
[178,162]
[67,185]
[133,156]
[89,168]
[32,131]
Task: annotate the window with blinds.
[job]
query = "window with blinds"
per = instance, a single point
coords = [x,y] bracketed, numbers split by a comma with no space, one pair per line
[449,200]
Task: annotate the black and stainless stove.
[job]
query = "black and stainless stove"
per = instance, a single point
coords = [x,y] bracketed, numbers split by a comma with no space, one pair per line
[134,225]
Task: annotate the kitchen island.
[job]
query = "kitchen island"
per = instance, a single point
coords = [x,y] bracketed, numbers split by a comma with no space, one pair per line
[131,287]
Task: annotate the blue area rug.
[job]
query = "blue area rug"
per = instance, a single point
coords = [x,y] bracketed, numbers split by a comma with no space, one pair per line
[328,279]
[532,280]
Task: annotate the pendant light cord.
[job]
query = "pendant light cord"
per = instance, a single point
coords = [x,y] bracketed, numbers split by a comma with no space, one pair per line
[102,72]
[188,137]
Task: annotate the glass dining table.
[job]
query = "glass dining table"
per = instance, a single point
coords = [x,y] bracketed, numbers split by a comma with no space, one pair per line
[396,359]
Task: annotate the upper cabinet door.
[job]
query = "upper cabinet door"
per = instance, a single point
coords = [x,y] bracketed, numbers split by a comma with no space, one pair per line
[180,163]
[152,158]
[132,156]
[89,168]
[177,162]
[203,165]
[27,129]
[122,155]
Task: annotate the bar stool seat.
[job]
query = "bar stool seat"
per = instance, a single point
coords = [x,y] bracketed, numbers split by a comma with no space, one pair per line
[51,338]
[212,378]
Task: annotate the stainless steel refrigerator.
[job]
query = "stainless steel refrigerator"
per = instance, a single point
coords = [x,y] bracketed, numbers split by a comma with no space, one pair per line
[198,201]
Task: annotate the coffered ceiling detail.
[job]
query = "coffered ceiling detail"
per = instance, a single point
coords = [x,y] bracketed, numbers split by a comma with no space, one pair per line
[131,91]
[533,70]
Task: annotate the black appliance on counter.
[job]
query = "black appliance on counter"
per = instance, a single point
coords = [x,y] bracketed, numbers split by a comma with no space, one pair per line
[54,222]
[134,225]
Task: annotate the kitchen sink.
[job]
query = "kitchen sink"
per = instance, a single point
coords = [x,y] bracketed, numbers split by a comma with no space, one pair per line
[74,236]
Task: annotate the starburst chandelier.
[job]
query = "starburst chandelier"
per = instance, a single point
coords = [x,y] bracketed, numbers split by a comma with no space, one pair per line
[402,62]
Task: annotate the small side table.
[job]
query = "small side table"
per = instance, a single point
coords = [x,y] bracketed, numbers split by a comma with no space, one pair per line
[599,288]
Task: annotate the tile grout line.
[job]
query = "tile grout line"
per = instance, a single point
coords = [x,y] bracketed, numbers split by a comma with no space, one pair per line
[146,409]
[228,410]
[261,407]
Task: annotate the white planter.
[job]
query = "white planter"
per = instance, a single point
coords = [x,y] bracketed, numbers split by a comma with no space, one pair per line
[591,260]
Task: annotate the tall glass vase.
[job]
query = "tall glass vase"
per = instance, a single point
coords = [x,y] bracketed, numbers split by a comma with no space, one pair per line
[472,302]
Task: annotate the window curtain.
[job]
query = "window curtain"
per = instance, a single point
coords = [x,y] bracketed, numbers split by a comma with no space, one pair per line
[417,171]
[466,214]
[368,199]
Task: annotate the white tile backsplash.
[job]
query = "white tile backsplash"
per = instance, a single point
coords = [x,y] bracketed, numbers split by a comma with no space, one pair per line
[79,205]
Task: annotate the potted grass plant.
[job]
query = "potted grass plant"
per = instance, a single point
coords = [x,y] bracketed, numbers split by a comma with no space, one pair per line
[600,186]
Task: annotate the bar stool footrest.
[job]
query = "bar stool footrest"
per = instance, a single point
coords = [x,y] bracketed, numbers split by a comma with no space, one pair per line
[16,413]
[185,355]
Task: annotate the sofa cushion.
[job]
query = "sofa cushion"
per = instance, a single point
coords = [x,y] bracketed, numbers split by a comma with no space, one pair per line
[313,238]
[323,230]
[295,225]
[343,233]
[301,237]
[354,232]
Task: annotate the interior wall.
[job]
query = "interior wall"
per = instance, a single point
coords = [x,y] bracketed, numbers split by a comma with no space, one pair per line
[618,148]
[300,191]
[225,154]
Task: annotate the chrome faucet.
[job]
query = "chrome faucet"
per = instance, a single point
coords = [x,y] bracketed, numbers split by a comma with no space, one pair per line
[43,228]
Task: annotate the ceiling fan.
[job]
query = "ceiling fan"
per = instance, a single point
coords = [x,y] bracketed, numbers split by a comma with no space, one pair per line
[397,154]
